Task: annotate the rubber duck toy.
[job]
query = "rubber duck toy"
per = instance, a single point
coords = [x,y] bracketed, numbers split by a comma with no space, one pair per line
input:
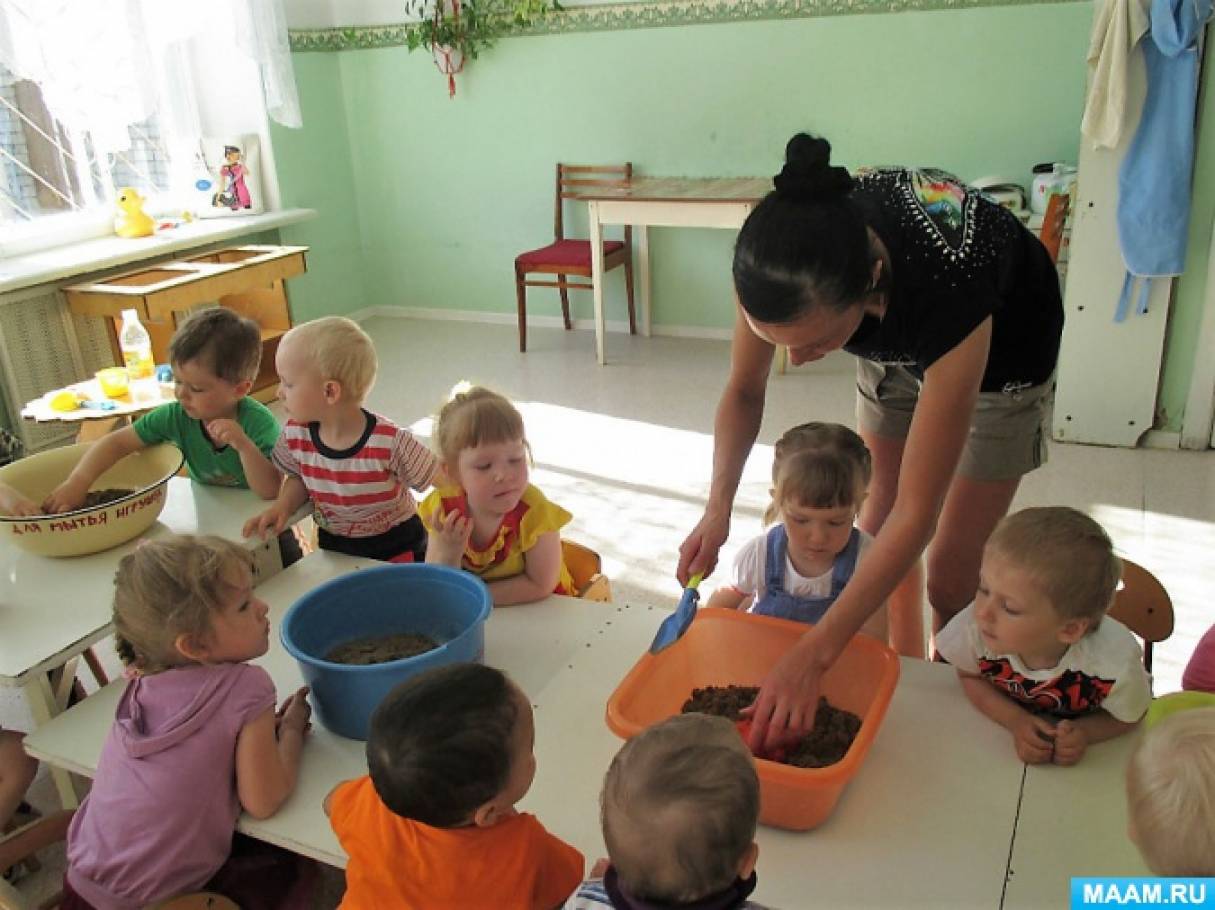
[132,221]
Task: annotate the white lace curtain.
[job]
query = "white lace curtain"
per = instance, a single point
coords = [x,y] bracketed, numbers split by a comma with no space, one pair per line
[103,65]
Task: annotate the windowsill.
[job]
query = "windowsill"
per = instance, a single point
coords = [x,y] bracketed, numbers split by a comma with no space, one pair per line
[47,266]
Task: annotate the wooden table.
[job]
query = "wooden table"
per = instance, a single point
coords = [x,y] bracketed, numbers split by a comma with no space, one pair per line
[931,820]
[707,202]
[51,610]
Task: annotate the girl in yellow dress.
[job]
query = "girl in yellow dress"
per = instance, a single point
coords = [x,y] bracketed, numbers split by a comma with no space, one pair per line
[490,520]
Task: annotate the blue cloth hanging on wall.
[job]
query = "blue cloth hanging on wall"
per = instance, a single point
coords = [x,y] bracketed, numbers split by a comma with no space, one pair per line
[1156,174]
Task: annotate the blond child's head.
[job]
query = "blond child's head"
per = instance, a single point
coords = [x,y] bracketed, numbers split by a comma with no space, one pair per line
[475,416]
[483,448]
[1047,578]
[819,466]
[325,362]
[1068,555]
[220,341]
[185,599]
[680,805]
[1170,792]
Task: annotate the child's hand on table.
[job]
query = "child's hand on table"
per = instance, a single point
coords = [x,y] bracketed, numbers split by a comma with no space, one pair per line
[225,432]
[295,713]
[1034,738]
[449,538]
[67,496]
[274,519]
[1070,743]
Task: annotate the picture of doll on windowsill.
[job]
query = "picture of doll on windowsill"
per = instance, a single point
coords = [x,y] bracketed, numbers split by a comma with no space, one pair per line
[233,192]
[229,184]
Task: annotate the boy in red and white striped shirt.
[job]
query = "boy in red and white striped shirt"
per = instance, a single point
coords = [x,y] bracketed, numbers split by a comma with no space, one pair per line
[357,467]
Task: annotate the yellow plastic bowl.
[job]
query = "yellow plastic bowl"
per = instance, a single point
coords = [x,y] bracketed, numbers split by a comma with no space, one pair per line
[114,381]
[92,530]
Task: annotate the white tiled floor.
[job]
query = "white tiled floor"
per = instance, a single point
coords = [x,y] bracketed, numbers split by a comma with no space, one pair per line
[627,448]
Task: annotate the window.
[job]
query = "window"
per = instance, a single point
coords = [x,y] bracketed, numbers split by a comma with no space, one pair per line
[47,170]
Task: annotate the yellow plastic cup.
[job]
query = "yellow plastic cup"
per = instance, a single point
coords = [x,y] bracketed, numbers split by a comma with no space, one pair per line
[114,381]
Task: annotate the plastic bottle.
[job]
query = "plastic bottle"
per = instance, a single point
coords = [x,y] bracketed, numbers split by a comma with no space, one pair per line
[136,346]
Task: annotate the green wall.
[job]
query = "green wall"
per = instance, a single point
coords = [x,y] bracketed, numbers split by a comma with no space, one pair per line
[448,191]
[314,172]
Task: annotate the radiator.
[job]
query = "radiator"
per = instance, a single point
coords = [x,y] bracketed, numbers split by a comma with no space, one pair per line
[45,346]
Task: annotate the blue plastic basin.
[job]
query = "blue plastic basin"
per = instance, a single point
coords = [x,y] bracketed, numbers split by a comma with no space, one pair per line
[446,604]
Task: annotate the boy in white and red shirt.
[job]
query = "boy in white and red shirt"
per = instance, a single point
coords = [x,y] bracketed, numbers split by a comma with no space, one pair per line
[357,467]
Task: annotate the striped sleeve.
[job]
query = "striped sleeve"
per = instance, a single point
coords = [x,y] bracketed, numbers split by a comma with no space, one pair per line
[284,456]
[413,463]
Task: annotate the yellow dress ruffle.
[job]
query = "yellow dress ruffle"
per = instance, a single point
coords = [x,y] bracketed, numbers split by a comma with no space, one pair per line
[521,527]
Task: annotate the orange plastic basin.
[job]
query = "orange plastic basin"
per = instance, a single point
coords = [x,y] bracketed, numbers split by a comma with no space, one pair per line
[727,647]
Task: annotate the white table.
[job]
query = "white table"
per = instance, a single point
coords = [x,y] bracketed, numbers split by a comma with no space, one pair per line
[706,202]
[51,610]
[531,641]
[929,821]
[1087,802]
[903,834]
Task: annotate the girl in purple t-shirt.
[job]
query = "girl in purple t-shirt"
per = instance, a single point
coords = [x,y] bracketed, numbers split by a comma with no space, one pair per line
[195,739]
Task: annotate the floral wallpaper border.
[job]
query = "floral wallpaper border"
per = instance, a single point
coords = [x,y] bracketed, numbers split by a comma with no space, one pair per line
[618,16]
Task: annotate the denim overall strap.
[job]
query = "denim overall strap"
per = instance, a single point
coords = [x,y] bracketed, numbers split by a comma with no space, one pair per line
[845,563]
[776,547]
[776,601]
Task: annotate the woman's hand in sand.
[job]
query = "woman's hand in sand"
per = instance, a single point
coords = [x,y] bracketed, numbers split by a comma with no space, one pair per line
[788,697]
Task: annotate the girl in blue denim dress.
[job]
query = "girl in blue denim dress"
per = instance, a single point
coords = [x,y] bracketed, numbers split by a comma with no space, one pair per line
[798,567]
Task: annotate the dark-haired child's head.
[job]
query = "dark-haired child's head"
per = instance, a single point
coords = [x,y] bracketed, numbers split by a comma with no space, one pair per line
[221,341]
[453,747]
[680,805]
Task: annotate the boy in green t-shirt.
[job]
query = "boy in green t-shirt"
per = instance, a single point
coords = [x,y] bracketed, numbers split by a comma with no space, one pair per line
[225,436]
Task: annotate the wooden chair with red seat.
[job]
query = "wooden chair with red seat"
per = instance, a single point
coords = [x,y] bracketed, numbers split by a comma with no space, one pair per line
[566,257]
[1143,605]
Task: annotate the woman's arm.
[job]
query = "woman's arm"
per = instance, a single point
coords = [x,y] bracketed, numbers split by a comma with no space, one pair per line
[541,571]
[739,414]
[934,445]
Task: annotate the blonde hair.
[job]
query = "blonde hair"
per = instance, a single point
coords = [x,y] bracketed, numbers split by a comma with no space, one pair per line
[340,351]
[1069,555]
[679,808]
[820,466]
[475,416]
[1170,794]
[166,588]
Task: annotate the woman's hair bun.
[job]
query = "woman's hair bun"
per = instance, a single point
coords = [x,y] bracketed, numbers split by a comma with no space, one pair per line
[808,175]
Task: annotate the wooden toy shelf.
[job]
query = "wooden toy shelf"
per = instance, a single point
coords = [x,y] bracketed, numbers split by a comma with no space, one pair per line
[249,279]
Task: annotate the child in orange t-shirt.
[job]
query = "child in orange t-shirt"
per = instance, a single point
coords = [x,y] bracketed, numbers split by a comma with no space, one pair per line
[434,824]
